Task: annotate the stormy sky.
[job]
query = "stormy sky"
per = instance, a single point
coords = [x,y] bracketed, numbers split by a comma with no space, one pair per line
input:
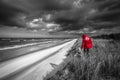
[69,14]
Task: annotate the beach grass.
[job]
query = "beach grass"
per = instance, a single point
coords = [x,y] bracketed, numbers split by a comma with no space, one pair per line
[103,62]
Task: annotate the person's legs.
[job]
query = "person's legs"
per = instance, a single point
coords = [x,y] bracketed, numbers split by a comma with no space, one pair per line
[87,52]
[84,50]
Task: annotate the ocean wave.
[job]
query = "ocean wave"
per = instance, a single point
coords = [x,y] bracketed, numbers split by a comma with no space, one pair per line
[24,45]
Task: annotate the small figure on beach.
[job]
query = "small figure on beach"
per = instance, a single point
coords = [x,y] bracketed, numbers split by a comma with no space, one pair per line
[86,44]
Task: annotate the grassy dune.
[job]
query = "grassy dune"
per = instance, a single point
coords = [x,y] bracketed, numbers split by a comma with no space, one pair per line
[103,62]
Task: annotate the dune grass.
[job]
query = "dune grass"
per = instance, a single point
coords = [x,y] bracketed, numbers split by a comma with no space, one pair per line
[103,63]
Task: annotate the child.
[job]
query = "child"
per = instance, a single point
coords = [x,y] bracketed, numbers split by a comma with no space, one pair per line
[86,44]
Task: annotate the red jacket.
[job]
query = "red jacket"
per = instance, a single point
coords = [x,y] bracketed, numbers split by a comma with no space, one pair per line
[86,42]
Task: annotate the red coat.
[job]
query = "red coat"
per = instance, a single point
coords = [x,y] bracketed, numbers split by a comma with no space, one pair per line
[86,42]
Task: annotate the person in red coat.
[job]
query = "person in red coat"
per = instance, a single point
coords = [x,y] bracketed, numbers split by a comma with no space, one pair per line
[86,44]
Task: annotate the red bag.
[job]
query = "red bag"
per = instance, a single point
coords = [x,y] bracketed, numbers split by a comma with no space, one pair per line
[86,42]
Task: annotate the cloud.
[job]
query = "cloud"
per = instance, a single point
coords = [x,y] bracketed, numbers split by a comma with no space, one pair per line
[90,12]
[70,14]
[11,10]
[108,10]
[8,14]
[36,6]
[73,18]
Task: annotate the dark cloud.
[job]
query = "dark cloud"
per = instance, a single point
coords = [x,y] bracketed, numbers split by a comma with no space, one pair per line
[109,11]
[11,10]
[8,13]
[49,5]
[71,16]
[72,19]
[41,6]
[99,13]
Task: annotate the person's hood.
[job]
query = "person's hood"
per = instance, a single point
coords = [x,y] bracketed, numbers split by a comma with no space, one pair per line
[84,35]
